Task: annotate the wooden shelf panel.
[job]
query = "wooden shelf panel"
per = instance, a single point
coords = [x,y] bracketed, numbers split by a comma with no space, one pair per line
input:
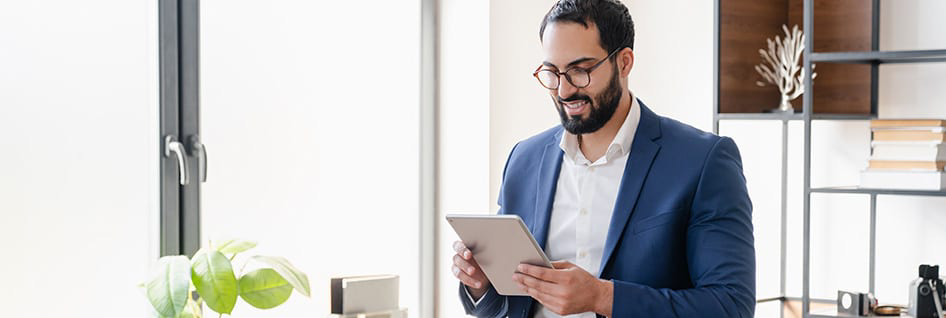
[840,26]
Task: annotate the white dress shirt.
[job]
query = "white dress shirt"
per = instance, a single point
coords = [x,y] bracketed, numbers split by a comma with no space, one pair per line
[584,201]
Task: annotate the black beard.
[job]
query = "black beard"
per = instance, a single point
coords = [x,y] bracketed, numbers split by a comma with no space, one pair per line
[599,115]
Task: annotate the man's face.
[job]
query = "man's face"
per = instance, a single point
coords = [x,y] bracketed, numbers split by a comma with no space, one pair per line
[582,110]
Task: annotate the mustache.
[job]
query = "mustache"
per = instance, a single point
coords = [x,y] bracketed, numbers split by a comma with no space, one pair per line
[574,98]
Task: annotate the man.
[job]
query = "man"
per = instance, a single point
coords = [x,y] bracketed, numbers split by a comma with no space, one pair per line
[649,217]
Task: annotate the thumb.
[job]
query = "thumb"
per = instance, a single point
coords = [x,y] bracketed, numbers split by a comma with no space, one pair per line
[562,265]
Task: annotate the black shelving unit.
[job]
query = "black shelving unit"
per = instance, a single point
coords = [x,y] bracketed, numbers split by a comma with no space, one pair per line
[789,117]
[879,57]
[858,190]
[872,58]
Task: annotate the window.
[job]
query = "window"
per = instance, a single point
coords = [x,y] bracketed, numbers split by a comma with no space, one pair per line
[311,120]
[79,178]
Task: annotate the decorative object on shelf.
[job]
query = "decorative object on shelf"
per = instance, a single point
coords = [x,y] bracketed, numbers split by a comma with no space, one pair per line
[179,286]
[889,310]
[399,313]
[856,304]
[366,296]
[781,67]
[907,154]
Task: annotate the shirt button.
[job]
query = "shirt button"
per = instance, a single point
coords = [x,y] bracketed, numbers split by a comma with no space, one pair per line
[582,254]
[583,212]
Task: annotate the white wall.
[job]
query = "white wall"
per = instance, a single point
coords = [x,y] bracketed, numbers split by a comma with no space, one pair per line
[518,106]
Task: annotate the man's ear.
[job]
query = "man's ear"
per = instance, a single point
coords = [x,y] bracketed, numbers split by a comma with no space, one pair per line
[625,60]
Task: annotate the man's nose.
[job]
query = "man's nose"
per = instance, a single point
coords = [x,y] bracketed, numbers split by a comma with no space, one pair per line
[565,88]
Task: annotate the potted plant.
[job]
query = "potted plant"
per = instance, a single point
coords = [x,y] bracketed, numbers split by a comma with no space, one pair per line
[179,286]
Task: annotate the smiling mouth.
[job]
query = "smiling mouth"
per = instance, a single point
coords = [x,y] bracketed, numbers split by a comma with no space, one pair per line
[576,107]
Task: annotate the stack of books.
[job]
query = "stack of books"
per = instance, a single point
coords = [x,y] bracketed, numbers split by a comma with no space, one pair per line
[907,154]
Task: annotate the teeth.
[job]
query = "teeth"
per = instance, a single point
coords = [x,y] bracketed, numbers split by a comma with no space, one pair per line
[576,105]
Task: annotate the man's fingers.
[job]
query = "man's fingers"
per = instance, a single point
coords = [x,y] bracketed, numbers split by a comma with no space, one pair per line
[465,267]
[461,263]
[542,273]
[469,268]
[461,250]
[543,298]
[538,284]
[467,279]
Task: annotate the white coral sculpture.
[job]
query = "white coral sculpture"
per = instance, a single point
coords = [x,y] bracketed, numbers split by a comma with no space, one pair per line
[781,67]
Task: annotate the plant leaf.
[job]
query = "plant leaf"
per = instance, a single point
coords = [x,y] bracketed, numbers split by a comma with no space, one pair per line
[294,276]
[167,289]
[235,246]
[264,288]
[213,278]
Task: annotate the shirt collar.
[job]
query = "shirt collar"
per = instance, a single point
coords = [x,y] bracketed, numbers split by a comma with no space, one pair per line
[620,146]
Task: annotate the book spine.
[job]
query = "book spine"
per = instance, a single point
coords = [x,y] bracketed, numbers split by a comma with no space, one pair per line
[901,135]
[907,165]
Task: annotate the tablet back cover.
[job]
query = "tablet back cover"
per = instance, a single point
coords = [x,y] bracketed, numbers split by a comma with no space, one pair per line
[499,244]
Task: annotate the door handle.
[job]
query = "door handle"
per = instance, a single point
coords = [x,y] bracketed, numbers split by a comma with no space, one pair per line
[176,148]
[200,151]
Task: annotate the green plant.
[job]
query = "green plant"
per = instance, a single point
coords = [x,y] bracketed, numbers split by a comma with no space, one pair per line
[180,285]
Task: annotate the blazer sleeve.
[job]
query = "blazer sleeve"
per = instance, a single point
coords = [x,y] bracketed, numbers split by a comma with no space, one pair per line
[720,250]
[492,304]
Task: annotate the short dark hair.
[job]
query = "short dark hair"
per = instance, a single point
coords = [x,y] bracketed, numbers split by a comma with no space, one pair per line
[615,26]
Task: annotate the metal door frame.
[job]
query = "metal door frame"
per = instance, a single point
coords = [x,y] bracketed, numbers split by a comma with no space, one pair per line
[178,33]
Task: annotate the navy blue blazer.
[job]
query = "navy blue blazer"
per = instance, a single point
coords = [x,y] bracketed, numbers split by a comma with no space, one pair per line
[680,241]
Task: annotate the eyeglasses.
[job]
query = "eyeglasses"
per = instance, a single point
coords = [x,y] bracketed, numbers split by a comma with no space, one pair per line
[577,76]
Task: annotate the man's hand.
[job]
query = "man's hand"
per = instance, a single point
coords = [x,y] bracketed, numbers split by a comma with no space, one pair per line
[567,289]
[468,271]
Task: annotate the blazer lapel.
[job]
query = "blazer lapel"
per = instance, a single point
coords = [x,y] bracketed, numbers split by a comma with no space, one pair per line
[549,170]
[643,152]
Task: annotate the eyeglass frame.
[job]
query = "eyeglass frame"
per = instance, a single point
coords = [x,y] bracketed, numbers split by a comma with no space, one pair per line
[568,78]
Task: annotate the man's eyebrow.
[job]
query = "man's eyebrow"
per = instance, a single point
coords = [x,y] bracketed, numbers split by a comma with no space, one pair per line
[578,61]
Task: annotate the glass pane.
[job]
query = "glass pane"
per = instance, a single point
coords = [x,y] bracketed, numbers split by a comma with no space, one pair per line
[79,164]
[310,112]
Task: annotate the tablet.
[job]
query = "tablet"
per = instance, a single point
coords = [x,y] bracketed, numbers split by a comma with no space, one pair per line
[499,243]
